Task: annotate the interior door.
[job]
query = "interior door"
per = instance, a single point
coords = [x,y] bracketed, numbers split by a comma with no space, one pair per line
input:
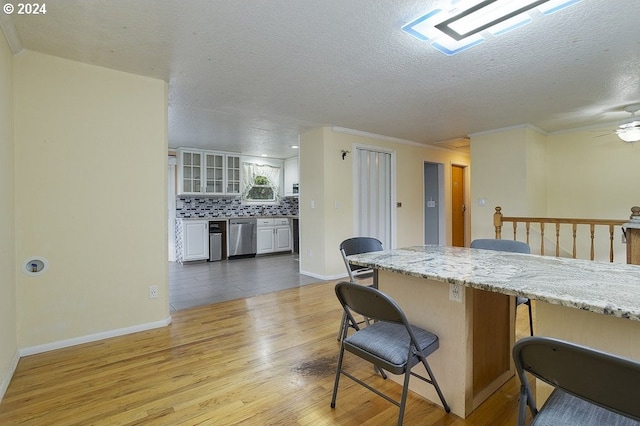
[432,203]
[373,195]
[458,208]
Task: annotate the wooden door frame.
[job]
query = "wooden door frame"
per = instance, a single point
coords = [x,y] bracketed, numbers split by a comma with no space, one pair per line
[465,196]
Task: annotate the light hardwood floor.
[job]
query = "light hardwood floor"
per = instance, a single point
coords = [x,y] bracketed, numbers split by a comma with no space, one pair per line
[263,360]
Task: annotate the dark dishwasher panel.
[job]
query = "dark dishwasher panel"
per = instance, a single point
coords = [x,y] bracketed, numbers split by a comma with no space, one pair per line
[296,236]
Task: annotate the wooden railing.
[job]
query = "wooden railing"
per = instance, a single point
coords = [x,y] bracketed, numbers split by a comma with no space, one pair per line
[499,220]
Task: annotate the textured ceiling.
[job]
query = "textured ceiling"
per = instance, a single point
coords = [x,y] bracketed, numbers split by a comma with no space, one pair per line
[251,75]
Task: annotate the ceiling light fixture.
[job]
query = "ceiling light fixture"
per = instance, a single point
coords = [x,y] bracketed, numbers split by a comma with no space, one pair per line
[629,129]
[460,25]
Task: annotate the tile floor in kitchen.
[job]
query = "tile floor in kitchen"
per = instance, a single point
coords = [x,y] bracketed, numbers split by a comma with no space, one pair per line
[203,283]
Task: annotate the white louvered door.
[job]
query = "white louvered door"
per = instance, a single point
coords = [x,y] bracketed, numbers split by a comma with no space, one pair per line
[373,203]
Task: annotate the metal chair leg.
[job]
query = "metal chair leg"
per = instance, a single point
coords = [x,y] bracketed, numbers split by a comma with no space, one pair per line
[435,385]
[530,317]
[343,323]
[337,380]
[403,398]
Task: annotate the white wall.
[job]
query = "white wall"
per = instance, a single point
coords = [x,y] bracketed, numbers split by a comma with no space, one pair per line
[90,181]
[8,336]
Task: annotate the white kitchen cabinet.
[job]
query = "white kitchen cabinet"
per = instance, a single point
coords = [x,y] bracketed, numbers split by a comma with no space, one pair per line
[282,238]
[214,173]
[274,235]
[265,240]
[189,172]
[208,172]
[195,240]
[291,176]
[233,174]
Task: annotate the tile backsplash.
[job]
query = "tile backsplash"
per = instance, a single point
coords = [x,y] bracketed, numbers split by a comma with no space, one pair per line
[192,207]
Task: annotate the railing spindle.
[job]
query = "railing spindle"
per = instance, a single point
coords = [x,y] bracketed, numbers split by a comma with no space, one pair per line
[610,243]
[542,238]
[497,222]
[575,250]
[557,239]
[592,228]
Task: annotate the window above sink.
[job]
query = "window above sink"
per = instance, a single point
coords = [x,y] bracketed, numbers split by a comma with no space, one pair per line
[260,183]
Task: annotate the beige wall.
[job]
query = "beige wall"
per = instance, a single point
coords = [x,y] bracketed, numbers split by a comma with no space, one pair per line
[509,170]
[312,189]
[593,177]
[90,181]
[562,175]
[8,339]
[498,177]
[328,181]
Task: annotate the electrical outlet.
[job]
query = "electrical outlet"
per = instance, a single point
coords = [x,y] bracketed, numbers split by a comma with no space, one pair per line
[456,293]
[153,292]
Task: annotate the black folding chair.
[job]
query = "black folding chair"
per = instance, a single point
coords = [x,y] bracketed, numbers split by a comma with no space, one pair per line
[357,245]
[512,247]
[590,387]
[390,343]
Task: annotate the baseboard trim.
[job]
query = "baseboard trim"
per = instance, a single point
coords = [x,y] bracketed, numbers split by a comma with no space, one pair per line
[32,350]
[324,277]
[6,379]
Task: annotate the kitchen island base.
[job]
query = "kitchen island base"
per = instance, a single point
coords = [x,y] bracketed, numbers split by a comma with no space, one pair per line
[476,336]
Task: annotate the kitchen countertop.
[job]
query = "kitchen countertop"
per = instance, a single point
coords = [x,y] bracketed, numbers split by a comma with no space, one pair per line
[218,218]
[605,288]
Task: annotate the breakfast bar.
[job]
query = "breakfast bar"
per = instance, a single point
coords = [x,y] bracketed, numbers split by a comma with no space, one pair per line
[465,296]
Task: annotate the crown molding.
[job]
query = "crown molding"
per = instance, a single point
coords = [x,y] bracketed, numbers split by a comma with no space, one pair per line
[376,136]
[10,33]
[506,129]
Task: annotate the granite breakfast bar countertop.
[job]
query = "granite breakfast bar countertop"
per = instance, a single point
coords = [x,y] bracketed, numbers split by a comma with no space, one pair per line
[606,288]
[586,302]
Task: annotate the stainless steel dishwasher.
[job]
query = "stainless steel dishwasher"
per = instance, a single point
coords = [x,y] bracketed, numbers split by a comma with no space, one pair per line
[242,237]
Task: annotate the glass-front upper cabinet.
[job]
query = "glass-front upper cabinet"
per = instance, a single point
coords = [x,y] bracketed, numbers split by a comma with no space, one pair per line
[207,172]
[233,174]
[190,178]
[214,166]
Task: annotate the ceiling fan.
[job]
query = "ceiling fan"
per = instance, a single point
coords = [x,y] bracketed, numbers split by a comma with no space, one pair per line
[629,129]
